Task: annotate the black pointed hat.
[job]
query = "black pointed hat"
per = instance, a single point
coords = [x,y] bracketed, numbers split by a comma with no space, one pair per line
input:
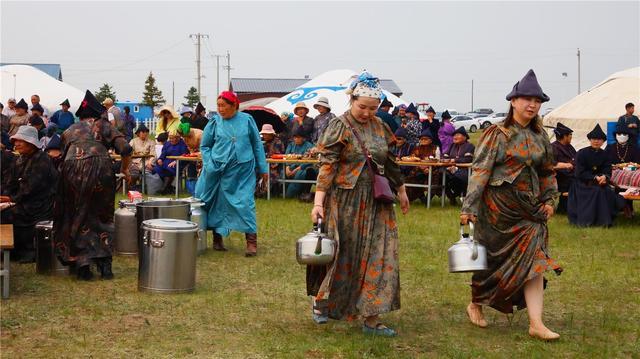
[36,120]
[401,132]
[90,107]
[65,103]
[199,108]
[446,115]
[54,144]
[622,130]
[430,109]
[426,133]
[528,86]
[597,133]
[562,130]
[22,104]
[386,103]
[462,131]
[37,107]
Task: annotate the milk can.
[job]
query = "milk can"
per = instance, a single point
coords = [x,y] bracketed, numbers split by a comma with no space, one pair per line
[126,229]
[160,209]
[168,256]
[46,260]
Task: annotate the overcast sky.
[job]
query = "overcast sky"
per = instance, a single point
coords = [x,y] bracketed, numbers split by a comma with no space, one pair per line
[431,49]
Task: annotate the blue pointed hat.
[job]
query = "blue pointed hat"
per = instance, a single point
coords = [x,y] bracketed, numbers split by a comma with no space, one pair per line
[426,133]
[401,132]
[528,86]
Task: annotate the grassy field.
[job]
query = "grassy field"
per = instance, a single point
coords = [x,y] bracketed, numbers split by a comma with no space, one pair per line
[257,308]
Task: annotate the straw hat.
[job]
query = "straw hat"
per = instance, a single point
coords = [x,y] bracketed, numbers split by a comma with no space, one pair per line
[169,108]
[267,129]
[300,105]
[322,101]
[27,134]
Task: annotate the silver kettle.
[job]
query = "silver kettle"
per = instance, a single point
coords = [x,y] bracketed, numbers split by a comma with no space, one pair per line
[315,248]
[467,255]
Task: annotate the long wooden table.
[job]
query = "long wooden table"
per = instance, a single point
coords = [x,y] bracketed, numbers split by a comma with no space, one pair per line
[6,244]
[428,186]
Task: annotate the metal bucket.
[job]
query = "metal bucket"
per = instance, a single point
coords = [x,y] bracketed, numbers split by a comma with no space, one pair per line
[168,256]
[126,229]
[146,210]
[46,260]
[198,215]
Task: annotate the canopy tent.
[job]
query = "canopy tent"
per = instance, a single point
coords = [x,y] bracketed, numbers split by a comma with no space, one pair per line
[601,104]
[22,81]
[331,85]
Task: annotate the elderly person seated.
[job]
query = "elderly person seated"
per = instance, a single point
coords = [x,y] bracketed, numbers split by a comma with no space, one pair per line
[20,118]
[142,145]
[425,150]
[301,120]
[623,151]
[299,146]
[564,159]
[461,151]
[192,137]
[321,121]
[29,191]
[402,148]
[166,168]
[592,201]
[54,150]
[272,146]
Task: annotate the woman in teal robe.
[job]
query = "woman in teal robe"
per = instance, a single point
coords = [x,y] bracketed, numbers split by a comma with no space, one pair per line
[231,153]
[299,146]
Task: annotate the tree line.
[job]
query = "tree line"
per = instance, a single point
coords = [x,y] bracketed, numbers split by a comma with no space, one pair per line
[151,96]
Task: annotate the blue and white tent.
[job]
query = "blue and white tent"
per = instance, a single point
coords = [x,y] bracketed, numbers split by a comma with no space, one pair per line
[331,85]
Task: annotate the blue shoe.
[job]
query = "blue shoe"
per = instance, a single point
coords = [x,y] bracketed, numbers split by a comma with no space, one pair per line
[319,318]
[380,330]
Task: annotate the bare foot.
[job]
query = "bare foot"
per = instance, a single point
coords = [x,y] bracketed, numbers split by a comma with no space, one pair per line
[543,333]
[474,311]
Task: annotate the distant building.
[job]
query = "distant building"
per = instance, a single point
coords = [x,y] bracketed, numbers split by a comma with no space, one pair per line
[255,88]
[53,70]
[139,111]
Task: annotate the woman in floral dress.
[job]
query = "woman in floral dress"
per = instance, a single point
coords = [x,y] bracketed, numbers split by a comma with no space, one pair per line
[511,194]
[363,280]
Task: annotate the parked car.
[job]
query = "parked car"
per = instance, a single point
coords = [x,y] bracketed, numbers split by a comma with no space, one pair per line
[480,112]
[470,124]
[492,119]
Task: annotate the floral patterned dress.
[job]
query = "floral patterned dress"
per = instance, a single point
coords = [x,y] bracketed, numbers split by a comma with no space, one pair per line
[83,214]
[512,179]
[364,278]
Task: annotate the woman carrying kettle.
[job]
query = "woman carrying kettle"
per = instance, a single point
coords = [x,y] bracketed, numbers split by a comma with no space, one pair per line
[511,195]
[363,280]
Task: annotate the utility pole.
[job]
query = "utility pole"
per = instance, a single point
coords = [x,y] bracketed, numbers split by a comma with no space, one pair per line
[471,94]
[218,74]
[198,37]
[228,67]
[578,71]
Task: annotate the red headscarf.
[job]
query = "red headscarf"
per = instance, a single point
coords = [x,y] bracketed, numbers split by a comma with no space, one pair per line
[230,96]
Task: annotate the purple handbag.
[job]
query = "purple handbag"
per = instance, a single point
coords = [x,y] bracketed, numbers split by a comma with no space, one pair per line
[381,188]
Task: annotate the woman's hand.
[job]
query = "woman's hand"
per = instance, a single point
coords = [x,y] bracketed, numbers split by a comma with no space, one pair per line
[265,178]
[159,162]
[317,212]
[404,199]
[172,164]
[548,210]
[465,218]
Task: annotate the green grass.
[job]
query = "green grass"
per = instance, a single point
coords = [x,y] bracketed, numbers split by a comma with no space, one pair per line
[257,307]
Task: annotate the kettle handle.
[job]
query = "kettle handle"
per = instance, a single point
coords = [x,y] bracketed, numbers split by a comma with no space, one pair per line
[319,225]
[471,230]
[318,249]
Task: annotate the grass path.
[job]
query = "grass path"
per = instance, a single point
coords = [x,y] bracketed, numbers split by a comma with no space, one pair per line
[257,307]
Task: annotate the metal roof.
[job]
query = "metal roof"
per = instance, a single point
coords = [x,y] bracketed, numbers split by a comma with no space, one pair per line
[260,85]
[53,70]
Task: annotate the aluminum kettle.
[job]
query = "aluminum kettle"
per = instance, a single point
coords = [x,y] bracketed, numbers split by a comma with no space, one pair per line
[467,255]
[315,248]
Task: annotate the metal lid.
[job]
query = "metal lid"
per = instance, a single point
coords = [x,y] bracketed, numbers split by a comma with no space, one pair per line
[166,203]
[167,223]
